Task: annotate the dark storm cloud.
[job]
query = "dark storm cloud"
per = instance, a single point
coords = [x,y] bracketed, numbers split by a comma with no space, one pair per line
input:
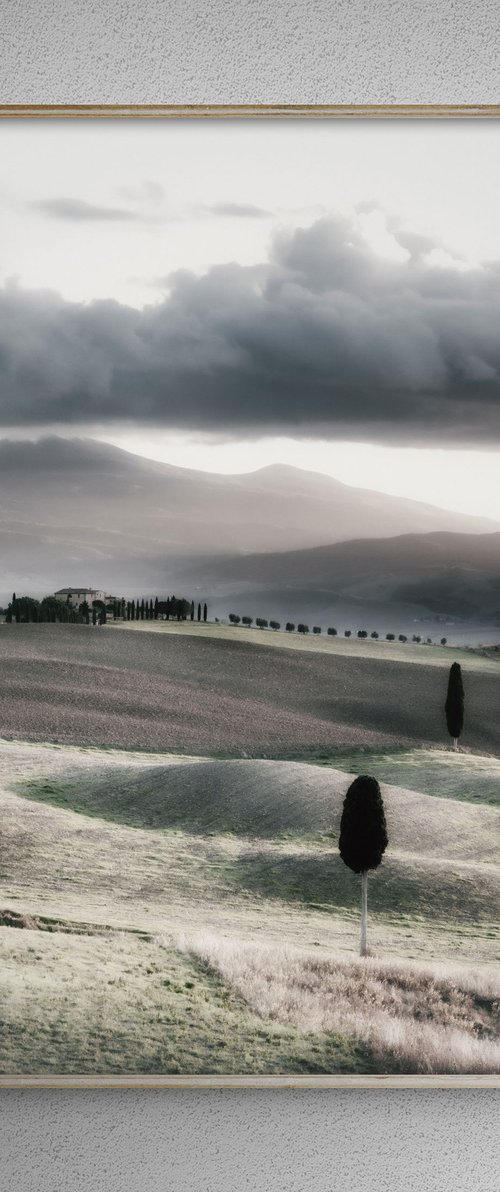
[77,211]
[324,338]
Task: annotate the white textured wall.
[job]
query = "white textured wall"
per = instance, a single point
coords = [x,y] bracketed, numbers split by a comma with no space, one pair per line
[88,51]
[308,51]
[253,1141]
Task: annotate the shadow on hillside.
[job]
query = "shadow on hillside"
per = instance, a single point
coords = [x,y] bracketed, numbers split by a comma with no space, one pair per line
[399,888]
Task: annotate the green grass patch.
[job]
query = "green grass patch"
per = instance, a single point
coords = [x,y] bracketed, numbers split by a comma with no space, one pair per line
[469,777]
[84,1004]
[403,887]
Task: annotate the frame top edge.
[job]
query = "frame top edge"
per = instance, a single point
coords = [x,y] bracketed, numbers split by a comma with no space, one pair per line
[376,110]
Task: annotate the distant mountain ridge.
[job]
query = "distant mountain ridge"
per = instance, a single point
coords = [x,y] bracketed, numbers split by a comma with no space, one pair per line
[191,510]
[456,574]
[81,511]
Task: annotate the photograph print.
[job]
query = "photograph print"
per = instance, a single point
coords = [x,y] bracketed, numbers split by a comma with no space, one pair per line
[249,598]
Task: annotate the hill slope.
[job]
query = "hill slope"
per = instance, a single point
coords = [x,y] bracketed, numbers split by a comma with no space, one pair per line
[446,573]
[187,947]
[219,695]
[115,519]
[262,798]
[163,838]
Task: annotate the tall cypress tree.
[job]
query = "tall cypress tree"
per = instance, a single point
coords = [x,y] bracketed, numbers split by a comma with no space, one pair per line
[205,612]
[199,612]
[454,705]
[192,610]
[363,837]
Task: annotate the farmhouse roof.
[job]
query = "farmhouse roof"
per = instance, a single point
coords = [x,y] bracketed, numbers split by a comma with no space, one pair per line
[70,591]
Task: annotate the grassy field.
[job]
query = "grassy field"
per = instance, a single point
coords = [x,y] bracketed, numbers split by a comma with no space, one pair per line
[187,910]
[115,1003]
[436,771]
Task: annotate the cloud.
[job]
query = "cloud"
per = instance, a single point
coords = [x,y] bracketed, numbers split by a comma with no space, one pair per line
[77,210]
[325,338]
[238,210]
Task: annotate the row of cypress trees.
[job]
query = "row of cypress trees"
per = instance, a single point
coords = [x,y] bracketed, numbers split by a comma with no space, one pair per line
[29,610]
[290,627]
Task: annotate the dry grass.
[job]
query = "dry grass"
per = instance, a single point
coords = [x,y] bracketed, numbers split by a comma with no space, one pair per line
[110,1002]
[428,1019]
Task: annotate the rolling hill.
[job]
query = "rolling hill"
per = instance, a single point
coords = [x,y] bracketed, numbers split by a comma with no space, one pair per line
[227,695]
[194,916]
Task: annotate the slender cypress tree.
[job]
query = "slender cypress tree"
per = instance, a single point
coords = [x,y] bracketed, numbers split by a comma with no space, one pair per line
[363,837]
[192,610]
[205,612]
[156,610]
[199,612]
[454,705]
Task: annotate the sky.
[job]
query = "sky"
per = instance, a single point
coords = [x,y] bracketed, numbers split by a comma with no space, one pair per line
[224,294]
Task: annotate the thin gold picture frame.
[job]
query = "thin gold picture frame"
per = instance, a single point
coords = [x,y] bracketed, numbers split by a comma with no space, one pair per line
[250,111]
[324,111]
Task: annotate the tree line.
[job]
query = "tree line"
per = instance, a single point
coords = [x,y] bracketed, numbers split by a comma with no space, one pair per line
[290,627]
[26,609]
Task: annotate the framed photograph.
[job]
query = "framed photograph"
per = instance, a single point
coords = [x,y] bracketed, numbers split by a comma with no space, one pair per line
[250,596]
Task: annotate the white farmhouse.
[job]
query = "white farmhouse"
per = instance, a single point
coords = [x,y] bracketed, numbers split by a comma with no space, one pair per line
[74,597]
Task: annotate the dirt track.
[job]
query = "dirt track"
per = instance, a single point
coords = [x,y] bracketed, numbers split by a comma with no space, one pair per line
[105,687]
